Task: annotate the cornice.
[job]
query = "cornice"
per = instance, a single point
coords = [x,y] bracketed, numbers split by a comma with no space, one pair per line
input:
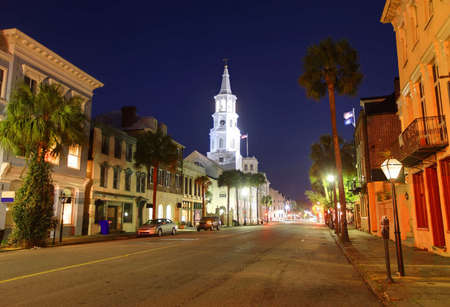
[390,10]
[16,38]
[5,56]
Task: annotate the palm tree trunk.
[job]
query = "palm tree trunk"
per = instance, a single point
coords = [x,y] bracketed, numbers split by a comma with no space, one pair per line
[337,154]
[228,205]
[257,205]
[203,201]
[155,187]
[237,205]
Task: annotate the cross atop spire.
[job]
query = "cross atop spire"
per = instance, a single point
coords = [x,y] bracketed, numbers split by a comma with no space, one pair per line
[225,88]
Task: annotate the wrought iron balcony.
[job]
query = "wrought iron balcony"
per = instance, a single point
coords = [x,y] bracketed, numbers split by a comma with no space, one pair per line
[422,138]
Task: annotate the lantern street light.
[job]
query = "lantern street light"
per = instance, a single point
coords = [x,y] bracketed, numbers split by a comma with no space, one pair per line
[332,180]
[391,169]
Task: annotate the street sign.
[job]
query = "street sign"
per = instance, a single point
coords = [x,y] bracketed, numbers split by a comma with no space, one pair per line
[8,196]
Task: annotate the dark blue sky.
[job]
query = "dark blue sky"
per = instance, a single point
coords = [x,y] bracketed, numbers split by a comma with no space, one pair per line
[165,58]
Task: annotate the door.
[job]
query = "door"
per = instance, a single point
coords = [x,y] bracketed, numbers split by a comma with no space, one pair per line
[112,217]
[437,224]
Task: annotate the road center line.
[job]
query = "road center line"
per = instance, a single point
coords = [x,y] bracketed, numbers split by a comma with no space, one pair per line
[68,267]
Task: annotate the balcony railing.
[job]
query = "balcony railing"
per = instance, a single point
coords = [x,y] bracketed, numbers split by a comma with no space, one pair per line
[422,138]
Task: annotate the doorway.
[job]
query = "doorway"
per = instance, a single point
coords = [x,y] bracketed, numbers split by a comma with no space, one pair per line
[112,217]
[437,223]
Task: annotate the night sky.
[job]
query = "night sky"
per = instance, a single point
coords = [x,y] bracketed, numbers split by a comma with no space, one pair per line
[165,57]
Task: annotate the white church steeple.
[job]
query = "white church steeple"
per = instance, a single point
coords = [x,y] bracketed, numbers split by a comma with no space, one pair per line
[225,136]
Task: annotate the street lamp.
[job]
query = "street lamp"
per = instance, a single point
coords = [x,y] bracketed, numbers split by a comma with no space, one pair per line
[391,169]
[331,179]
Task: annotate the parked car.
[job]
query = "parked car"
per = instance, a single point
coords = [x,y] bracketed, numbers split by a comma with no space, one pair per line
[157,227]
[209,222]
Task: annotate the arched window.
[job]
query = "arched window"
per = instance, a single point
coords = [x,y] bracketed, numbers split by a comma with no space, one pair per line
[220,143]
[160,211]
[168,212]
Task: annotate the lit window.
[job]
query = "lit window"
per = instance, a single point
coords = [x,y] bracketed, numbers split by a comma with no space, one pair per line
[73,158]
[67,214]
[53,159]
[160,211]
[127,213]
[168,212]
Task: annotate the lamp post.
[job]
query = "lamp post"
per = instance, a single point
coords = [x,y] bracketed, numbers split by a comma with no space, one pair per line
[331,179]
[391,169]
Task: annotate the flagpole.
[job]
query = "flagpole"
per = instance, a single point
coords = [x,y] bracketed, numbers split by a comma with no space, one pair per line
[354,118]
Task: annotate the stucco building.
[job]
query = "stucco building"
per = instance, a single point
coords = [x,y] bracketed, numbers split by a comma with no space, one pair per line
[422,31]
[23,59]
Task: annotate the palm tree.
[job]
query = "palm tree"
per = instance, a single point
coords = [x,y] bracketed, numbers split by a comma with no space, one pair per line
[329,67]
[204,183]
[247,182]
[155,149]
[258,179]
[266,200]
[39,124]
[227,179]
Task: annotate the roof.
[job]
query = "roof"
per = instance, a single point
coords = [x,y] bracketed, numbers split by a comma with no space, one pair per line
[379,104]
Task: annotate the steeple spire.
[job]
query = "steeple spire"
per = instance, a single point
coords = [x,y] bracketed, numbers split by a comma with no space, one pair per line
[225,88]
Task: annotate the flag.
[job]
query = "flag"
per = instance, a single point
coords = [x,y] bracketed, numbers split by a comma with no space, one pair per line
[349,118]
[244,136]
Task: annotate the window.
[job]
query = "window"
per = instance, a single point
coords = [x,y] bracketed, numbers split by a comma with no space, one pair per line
[185,185]
[152,170]
[190,186]
[420,201]
[117,148]
[128,180]
[129,153]
[105,144]
[73,157]
[138,182]
[251,167]
[221,159]
[143,182]
[99,211]
[195,188]
[116,177]
[168,212]
[212,145]
[232,143]
[2,77]
[437,89]
[67,214]
[220,143]
[103,175]
[245,167]
[127,213]
[31,83]
[160,211]
[422,99]
[168,179]
[51,158]
[445,173]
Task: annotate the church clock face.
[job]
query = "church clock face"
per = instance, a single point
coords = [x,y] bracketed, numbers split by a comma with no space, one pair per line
[222,123]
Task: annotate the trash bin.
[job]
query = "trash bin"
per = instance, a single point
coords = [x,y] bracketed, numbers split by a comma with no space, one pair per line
[104,227]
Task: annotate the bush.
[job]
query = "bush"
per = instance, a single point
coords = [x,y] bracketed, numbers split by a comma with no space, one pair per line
[32,210]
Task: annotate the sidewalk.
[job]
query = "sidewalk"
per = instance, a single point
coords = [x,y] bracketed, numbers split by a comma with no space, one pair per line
[427,275]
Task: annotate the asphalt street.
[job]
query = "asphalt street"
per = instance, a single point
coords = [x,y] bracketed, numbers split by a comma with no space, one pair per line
[269,265]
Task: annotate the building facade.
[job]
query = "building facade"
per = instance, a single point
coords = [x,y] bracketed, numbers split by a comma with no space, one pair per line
[422,30]
[377,129]
[23,59]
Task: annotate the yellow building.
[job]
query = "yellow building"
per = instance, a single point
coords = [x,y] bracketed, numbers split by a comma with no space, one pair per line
[422,31]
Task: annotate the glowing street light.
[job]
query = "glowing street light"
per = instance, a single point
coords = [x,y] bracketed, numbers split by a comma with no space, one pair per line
[331,178]
[391,169]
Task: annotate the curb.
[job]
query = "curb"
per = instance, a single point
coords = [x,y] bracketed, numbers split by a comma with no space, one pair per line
[372,285]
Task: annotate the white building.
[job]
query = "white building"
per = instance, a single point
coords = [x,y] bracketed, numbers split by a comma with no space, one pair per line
[225,136]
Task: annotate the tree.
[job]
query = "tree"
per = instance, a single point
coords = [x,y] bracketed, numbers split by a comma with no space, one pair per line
[227,179]
[332,67]
[266,200]
[204,183]
[155,149]
[39,124]
[257,180]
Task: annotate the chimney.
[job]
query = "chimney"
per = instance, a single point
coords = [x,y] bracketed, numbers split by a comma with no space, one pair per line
[396,87]
[128,116]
